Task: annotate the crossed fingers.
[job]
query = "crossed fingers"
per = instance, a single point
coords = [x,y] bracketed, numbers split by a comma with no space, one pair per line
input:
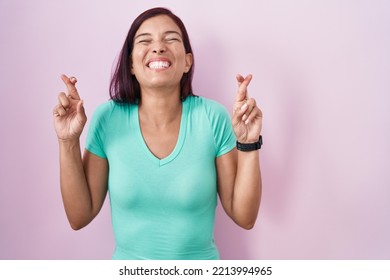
[65,100]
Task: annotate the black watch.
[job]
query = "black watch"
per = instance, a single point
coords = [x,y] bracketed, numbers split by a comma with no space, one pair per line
[247,147]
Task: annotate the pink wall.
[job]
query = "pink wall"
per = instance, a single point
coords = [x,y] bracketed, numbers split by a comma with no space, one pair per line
[321,76]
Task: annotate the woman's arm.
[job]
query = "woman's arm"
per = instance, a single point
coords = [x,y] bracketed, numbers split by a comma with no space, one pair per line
[83,184]
[83,180]
[239,176]
[239,186]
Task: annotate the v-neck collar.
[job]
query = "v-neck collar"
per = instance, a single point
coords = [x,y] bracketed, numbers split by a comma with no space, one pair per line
[180,139]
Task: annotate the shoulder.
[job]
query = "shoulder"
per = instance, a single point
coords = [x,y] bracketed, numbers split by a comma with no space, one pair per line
[103,109]
[107,118]
[107,109]
[211,107]
[211,112]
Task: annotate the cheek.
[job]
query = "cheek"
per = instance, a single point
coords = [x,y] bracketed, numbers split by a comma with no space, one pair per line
[180,56]
[136,61]
[138,55]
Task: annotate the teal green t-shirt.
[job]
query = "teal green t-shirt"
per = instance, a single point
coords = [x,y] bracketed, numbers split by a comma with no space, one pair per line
[162,208]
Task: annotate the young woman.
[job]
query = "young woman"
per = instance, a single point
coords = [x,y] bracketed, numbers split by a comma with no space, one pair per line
[161,152]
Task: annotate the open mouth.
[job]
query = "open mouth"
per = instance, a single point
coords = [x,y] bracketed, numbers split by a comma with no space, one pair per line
[159,64]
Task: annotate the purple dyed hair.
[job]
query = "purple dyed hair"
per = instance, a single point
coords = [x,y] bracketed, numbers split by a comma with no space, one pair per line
[124,87]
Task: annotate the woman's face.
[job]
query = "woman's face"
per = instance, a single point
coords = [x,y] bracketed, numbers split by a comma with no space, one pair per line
[158,58]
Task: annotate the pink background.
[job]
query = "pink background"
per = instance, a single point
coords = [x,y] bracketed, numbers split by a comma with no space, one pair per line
[321,76]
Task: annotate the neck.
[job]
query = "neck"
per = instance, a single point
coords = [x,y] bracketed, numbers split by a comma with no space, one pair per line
[160,108]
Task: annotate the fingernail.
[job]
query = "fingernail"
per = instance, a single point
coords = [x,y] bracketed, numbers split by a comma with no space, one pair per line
[243,107]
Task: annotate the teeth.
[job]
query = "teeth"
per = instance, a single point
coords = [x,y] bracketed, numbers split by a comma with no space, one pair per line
[158,64]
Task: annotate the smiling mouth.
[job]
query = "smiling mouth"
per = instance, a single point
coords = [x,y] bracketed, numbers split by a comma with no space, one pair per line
[159,64]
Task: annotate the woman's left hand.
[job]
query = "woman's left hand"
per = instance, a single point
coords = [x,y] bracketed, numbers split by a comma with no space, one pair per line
[247,117]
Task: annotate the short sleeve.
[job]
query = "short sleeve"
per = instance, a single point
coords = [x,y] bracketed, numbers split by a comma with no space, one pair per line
[96,131]
[225,139]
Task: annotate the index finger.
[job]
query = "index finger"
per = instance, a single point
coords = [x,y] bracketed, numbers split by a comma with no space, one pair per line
[242,92]
[71,86]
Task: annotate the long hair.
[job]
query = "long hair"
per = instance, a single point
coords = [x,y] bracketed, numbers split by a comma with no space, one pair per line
[124,87]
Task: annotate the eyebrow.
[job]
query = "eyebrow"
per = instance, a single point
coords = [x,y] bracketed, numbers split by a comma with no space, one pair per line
[165,33]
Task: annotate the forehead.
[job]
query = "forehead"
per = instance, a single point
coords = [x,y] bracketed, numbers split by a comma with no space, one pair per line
[158,24]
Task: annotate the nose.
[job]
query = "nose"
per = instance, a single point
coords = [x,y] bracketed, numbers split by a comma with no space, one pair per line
[159,48]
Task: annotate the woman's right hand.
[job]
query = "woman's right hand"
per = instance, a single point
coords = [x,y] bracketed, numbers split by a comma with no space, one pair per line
[69,114]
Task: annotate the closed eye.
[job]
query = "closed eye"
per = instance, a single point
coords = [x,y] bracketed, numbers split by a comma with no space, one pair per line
[172,36]
[172,39]
[145,41]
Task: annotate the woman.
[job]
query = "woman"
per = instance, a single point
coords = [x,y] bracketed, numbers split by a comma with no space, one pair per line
[161,152]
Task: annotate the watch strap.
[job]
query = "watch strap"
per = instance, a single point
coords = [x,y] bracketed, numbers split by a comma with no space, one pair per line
[247,147]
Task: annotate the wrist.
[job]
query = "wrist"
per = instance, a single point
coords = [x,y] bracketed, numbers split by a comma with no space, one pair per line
[250,146]
[69,143]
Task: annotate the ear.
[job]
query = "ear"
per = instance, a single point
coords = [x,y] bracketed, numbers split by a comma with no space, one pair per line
[189,60]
